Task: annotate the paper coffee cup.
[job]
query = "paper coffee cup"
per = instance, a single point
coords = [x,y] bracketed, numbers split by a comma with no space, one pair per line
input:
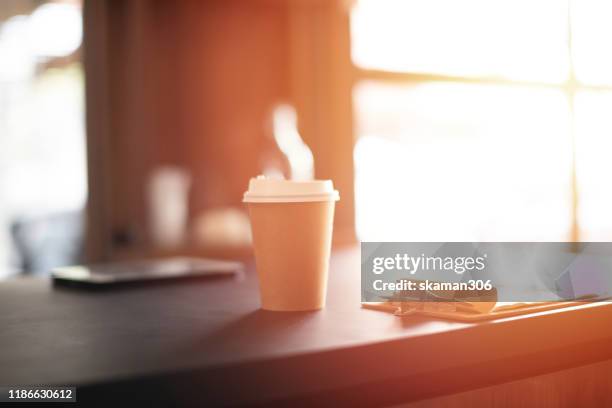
[292,224]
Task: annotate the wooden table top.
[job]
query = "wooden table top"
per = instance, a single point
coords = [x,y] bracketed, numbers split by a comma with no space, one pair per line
[208,341]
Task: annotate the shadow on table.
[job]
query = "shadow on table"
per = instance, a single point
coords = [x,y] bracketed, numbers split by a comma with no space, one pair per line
[264,325]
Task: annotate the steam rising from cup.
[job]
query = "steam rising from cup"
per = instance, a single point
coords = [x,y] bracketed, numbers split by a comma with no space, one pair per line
[289,141]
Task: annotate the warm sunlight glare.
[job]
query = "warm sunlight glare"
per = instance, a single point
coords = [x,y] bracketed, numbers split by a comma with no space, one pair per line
[593,164]
[520,39]
[459,162]
[479,160]
[591,41]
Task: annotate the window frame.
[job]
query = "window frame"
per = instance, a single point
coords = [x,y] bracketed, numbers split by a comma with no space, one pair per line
[570,87]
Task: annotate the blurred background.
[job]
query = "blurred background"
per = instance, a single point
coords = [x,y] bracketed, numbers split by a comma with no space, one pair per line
[43,171]
[131,128]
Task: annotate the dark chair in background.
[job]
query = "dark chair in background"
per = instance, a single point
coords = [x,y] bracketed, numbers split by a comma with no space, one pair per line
[45,242]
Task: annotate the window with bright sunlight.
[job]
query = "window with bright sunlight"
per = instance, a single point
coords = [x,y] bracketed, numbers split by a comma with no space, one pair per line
[482,120]
[42,160]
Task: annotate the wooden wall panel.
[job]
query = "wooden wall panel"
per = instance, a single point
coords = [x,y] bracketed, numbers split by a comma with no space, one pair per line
[192,83]
[320,85]
[189,83]
[235,64]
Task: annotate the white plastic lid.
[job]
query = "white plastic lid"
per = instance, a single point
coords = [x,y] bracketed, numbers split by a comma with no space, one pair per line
[268,190]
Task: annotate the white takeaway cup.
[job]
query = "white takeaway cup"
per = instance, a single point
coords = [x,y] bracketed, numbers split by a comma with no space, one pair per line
[292,223]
